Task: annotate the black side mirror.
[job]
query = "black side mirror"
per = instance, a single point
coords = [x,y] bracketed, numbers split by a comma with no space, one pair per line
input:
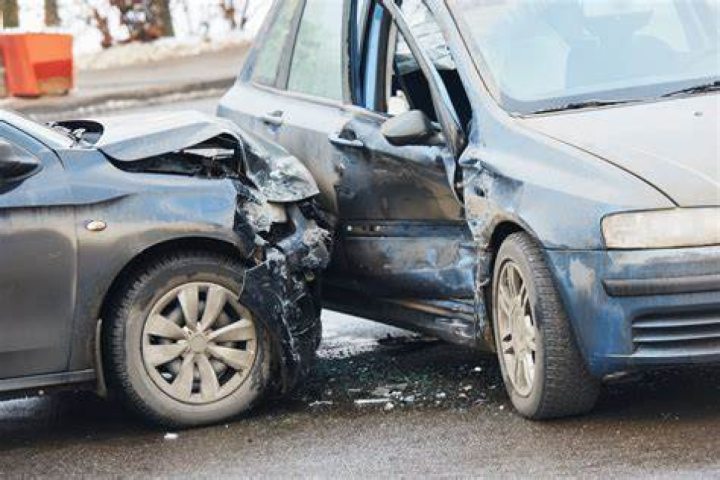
[16,165]
[410,128]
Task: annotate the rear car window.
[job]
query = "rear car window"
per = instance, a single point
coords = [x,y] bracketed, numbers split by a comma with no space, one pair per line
[316,67]
[270,57]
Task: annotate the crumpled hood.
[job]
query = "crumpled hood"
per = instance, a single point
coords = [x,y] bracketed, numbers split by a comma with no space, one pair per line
[129,138]
[672,144]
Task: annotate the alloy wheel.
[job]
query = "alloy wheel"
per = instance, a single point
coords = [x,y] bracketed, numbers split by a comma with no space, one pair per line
[517,328]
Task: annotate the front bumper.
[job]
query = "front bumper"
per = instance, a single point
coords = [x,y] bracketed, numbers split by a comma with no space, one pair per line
[642,308]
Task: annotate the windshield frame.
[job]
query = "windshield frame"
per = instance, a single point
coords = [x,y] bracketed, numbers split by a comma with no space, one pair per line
[635,94]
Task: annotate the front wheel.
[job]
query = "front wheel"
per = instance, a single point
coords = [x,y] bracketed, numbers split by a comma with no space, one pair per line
[544,373]
[182,350]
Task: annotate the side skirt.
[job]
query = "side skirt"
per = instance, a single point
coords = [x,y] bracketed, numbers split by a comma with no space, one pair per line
[452,320]
[35,385]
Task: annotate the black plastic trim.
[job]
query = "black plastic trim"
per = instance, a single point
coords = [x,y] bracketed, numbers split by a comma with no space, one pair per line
[662,286]
[53,379]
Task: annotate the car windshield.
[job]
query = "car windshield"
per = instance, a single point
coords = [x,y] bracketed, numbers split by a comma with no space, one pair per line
[554,54]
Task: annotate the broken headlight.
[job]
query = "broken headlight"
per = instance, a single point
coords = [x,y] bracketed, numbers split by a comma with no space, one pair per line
[674,228]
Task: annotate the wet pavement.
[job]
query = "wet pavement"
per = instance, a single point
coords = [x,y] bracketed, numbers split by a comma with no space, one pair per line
[384,402]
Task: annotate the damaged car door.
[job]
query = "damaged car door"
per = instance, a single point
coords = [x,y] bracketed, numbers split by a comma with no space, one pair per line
[402,219]
[391,191]
[37,258]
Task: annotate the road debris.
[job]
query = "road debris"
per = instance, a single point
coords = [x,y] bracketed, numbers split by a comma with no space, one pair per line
[371,402]
[395,390]
[406,374]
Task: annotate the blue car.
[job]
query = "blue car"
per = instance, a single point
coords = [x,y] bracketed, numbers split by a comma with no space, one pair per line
[538,179]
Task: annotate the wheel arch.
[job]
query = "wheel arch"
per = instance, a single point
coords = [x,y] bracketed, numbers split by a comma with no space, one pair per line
[156,250]
[500,232]
[145,256]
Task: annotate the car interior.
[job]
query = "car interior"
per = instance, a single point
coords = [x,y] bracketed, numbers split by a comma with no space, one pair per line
[401,85]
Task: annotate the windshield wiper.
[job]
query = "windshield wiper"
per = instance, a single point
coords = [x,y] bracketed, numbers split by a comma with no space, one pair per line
[704,88]
[581,105]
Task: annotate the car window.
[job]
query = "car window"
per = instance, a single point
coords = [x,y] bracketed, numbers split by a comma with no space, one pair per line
[316,67]
[428,34]
[405,85]
[408,88]
[270,57]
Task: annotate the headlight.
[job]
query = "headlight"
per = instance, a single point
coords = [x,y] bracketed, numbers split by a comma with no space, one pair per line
[680,227]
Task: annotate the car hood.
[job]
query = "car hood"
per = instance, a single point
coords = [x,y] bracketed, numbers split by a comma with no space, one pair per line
[131,138]
[672,144]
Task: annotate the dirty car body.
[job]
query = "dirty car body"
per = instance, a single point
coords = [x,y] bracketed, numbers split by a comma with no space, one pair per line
[107,197]
[608,164]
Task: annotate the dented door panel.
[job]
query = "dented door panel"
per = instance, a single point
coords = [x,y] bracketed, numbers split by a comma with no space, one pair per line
[401,225]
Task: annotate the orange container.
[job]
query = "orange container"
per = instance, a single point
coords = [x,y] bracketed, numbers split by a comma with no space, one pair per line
[37,64]
[3,88]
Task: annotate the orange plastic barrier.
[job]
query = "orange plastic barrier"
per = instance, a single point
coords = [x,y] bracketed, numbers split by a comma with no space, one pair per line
[3,88]
[37,64]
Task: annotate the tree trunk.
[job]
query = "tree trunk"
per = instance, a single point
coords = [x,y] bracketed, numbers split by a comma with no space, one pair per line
[228,9]
[52,17]
[9,13]
[161,9]
[102,25]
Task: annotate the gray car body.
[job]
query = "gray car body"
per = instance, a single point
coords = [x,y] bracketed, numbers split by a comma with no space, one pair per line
[417,250]
[58,272]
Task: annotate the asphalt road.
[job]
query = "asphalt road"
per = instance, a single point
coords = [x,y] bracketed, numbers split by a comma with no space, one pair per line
[383,402]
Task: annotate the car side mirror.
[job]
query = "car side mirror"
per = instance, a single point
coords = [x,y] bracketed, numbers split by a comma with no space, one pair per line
[410,128]
[15,164]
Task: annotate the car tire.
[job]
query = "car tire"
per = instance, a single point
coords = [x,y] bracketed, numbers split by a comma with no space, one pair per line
[544,372]
[186,289]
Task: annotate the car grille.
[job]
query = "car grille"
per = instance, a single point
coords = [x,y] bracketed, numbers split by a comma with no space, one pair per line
[678,333]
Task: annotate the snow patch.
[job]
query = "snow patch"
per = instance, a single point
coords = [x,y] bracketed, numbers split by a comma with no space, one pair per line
[194,21]
[157,51]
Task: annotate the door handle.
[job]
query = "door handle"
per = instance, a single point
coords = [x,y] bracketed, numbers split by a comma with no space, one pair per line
[274,119]
[337,140]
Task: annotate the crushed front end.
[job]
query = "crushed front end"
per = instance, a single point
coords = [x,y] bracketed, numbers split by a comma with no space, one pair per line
[282,285]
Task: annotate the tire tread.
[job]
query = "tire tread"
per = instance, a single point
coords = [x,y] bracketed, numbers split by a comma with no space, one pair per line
[119,308]
[568,388]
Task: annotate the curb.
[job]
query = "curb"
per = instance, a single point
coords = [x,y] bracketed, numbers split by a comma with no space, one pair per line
[50,105]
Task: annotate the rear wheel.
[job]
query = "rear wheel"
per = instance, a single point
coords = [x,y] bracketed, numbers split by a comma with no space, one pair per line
[544,373]
[182,350]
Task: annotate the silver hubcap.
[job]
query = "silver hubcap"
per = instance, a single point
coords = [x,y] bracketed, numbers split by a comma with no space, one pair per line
[199,344]
[517,328]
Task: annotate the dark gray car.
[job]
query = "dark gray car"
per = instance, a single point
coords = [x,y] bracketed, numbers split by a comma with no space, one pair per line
[541,179]
[169,258]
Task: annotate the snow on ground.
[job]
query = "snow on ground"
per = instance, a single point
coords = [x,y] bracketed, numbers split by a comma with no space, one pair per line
[199,28]
[347,335]
[160,50]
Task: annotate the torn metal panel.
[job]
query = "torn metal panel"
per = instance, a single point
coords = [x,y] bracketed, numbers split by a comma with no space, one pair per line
[282,305]
[194,143]
[555,192]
